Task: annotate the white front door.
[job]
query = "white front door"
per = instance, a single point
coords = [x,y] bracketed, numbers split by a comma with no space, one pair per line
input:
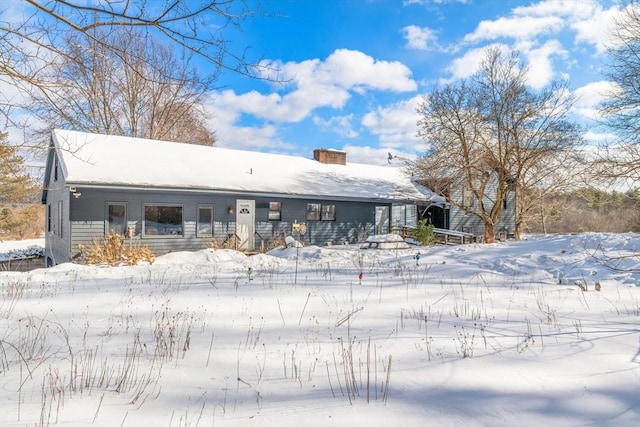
[245,224]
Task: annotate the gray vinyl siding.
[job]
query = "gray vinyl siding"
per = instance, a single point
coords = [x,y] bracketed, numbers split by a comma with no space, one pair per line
[88,222]
[507,222]
[460,220]
[89,218]
[354,222]
[57,237]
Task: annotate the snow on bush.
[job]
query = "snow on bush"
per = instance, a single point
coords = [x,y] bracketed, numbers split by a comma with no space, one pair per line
[30,252]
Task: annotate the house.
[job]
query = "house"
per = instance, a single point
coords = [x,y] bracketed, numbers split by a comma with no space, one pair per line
[465,217]
[176,197]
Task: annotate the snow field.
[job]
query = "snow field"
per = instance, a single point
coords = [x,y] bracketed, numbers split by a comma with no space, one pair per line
[476,335]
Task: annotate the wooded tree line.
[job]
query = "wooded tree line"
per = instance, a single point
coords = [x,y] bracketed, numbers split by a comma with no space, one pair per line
[587,209]
[127,68]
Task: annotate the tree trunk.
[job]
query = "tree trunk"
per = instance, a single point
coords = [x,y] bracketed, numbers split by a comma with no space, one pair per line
[489,233]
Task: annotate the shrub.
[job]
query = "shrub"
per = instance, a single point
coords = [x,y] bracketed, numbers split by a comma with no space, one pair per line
[113,250]
[424,233]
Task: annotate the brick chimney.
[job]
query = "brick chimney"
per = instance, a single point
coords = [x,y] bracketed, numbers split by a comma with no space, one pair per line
[329,156]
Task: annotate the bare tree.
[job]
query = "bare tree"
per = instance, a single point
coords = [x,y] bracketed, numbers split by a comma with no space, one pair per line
[488,135]
[621,109]
[143,90]
[36,36]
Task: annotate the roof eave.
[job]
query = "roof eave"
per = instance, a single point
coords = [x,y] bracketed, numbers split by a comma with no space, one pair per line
[243,193]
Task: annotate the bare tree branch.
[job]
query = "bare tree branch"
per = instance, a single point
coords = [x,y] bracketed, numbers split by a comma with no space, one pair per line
[37,39]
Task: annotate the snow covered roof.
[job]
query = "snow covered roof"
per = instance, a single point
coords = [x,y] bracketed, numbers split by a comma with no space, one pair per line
[95,159]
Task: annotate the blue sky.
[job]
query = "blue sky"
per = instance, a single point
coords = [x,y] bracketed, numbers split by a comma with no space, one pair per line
[355,69]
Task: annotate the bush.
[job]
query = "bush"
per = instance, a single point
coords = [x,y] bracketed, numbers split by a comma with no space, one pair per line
[424,233]
[113,250]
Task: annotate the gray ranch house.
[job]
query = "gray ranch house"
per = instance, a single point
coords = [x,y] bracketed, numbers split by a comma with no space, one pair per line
[176,197]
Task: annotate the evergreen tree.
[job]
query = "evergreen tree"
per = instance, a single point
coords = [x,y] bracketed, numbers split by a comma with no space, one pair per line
[15,187]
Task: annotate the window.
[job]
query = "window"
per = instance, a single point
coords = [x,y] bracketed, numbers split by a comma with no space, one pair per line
[328,213]
[467,198]
[275,211]
[162,220]
[313,212]
[318,212]
[48,217]
[60,212]
[55,167]
[116,219]
[510,196]
[205,221]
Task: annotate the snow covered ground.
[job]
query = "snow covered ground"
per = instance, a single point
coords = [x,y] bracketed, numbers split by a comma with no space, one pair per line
[496,335]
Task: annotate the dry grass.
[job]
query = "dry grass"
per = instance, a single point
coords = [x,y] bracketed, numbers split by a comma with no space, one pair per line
[115,250]
[233,242]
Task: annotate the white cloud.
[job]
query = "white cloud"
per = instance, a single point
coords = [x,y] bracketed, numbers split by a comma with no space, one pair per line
[252,138]
[586,18]
[308,85]
[589,96]
[540,65]
[352,68]
[517,28]
[575,8]
[314,83]
[420,38]
[468,64]
[538,60]
[231,134]
[395,125]
[338,124]
[599,138]
[596,29]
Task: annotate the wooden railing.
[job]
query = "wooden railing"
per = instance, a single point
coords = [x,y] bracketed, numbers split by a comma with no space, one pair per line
[452,237]
[443,236]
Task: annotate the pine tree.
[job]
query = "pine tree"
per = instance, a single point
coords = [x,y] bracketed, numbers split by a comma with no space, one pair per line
[15,187]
